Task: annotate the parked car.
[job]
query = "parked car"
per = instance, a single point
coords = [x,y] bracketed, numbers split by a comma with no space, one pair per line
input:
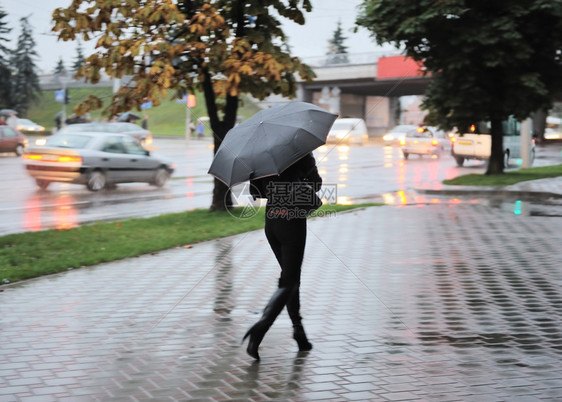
[421,141]
[394,136]
[143,136]
[28,125]
[98,160]
[12,140]
[348,131]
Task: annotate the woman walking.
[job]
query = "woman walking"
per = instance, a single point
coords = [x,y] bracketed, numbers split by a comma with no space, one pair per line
[285,229]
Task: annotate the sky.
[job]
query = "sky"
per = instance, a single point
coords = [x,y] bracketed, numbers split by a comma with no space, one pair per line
[308,41]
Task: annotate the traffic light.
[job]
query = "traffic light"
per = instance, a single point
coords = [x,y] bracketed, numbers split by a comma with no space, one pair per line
[66,97]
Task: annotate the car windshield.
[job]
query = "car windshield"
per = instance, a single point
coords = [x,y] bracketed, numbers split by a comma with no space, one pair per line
[76,141]
[417,134]
[103,127]
[400,129]
[343,125]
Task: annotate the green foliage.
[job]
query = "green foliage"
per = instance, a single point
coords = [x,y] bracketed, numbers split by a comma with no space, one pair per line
[60,69]
[210,46]
[221,48]
[79,59]
[336,49]
[488,59]
[25,82]
[5,69]
[32,254]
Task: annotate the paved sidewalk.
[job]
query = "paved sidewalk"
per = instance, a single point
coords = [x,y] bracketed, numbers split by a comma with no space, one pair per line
[449,302]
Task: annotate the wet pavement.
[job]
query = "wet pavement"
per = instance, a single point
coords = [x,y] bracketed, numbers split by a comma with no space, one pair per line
[448,301]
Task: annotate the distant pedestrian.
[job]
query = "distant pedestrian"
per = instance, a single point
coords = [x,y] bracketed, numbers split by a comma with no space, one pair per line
[12,121]
[2,121]
[144,123]
[58,120]
[200,129]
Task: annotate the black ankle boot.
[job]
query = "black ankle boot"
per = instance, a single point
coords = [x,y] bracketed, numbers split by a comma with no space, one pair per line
[270,313]
[300,336]
[256,334]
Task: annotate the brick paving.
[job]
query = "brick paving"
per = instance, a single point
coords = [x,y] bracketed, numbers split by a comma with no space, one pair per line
[448,302]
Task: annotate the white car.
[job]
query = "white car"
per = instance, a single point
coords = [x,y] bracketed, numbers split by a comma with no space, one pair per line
[28,125]
[144,137]
[348,131]
[397,134]
[421,141]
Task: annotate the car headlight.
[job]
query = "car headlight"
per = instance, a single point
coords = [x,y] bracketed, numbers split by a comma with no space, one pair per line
[388,137]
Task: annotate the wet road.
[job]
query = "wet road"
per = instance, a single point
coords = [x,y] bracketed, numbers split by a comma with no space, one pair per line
[364,173]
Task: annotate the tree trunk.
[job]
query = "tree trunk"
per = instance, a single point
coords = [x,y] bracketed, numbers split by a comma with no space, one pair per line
[222,197]
[496,162]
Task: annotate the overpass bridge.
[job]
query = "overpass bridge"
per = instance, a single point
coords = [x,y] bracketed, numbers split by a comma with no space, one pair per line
[366,85]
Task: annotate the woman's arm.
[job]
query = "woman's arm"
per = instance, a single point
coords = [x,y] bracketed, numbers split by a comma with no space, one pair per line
[310,172]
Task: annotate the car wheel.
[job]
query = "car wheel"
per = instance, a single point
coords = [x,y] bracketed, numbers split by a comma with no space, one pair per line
[42,184]
[460,160]
[19,150]
[506,159]
[406,155]
[161,177]
[96,181]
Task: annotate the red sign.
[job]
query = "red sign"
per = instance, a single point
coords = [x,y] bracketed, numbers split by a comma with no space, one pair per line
[398,67]
[191,101]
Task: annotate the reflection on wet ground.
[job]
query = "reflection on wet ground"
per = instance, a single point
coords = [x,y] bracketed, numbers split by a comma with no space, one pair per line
[533,206]
[449,301]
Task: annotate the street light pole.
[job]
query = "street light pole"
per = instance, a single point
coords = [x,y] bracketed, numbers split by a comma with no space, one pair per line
[526,143]
[64,79]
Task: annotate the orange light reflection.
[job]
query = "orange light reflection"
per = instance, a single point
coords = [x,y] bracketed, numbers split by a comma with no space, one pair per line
[64,214]
[344,201]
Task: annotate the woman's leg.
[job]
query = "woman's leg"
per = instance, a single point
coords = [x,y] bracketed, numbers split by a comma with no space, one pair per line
[287,240]
[291,247]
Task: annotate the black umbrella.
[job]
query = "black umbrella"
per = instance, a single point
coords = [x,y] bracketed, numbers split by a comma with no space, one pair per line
[270,141]
[128,116]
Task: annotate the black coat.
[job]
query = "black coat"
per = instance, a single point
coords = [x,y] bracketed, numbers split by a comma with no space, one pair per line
[304,170]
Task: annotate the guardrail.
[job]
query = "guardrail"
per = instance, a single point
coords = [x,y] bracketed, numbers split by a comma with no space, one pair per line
[345,59]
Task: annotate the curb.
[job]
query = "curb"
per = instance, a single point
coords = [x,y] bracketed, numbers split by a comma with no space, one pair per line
[500,192]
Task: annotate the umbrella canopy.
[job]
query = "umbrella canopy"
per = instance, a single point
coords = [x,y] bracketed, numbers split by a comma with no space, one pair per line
[6,112]
[270,141]
[128,116]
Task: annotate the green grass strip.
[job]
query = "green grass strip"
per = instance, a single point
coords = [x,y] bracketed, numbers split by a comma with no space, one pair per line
[507,178]
[32,254]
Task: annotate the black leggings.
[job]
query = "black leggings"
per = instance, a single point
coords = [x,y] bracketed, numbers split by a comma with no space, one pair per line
[287,238]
